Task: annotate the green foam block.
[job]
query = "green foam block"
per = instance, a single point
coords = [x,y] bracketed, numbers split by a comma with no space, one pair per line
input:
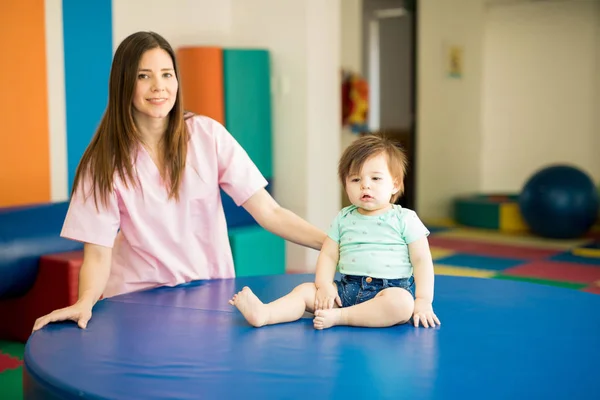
[247,91]
[257,251]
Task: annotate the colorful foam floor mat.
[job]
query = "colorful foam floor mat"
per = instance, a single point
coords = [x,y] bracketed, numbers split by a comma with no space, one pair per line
[11,370]
[461,251]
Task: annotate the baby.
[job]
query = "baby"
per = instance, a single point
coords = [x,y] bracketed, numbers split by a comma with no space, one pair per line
[380,249]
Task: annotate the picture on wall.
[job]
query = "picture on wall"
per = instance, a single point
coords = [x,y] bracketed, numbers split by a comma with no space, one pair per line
[454,57]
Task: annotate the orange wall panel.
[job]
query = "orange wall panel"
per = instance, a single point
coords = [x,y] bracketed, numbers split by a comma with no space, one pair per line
[201,81]
[24,135]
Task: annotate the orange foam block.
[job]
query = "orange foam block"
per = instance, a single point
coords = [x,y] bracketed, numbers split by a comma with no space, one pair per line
[201,81]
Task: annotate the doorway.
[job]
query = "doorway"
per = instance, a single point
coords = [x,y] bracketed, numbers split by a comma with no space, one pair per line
[389,63]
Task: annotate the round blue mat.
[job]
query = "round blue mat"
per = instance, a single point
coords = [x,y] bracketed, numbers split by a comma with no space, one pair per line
[498,340]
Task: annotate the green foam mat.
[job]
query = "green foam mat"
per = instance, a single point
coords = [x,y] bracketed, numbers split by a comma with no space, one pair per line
[11,384]
[568,285]
[13,349]
[11,380]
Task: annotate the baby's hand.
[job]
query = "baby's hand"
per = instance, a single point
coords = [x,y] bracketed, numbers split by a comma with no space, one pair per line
[424,314]
[325,297]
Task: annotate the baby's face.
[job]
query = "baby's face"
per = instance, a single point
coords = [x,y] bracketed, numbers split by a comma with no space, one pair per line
[372,188]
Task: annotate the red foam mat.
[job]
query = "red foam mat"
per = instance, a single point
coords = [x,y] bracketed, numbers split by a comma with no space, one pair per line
[592,289]
[559,271]
[492,249]
[7,362]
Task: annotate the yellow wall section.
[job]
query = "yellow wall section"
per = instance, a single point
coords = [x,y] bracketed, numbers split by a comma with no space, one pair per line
[24,136]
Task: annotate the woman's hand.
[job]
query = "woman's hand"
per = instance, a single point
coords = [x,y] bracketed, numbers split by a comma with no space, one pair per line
[423,314]
[80,312]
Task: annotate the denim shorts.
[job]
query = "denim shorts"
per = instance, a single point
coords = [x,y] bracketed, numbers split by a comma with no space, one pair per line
[354,289]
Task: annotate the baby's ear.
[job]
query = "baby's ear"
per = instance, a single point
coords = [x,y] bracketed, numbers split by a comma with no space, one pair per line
[398,186]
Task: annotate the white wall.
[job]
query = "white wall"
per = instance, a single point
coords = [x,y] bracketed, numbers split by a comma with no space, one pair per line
[57,117]
[541,91]
[182,23]
[351,35]
[448,110]
[303,38]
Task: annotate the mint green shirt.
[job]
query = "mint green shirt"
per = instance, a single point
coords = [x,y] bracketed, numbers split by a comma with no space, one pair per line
[376,246]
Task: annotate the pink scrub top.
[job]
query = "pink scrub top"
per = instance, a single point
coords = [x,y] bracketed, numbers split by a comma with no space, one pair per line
[161,242]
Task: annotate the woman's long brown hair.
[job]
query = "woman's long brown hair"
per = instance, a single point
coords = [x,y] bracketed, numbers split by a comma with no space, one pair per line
[116,138]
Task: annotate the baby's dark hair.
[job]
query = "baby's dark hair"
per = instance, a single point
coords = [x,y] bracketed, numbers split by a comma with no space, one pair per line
[370,145]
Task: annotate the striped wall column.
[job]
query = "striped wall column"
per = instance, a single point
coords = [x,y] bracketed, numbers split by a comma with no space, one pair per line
[55,90]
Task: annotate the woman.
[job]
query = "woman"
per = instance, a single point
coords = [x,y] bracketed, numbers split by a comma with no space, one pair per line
[146,196]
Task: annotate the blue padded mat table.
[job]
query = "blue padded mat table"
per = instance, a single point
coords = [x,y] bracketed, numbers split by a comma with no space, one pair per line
[498,340]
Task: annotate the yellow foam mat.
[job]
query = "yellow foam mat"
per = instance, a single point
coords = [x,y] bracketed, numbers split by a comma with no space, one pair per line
[438,252]
[525,240]
[461,271]
[584,252]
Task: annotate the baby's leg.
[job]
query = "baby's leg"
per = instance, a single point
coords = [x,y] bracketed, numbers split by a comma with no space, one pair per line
[391,306]
[285,309]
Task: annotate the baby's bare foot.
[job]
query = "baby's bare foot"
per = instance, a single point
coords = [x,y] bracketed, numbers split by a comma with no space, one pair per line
[327,318]
[251,307]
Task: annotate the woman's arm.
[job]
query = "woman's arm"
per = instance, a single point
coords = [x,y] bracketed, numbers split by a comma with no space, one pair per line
[93,277]
[94,273]
[276,219]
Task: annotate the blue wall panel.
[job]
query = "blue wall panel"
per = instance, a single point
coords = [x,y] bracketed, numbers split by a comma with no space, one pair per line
[87,30]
